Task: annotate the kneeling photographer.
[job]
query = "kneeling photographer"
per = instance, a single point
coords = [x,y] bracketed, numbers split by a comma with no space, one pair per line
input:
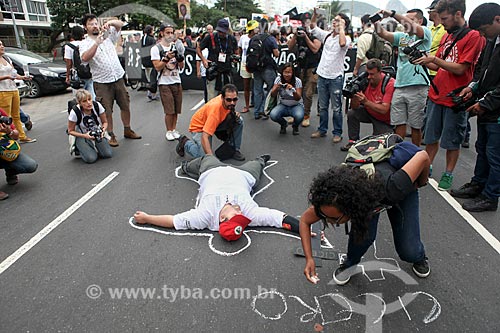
[11,158]
[87,123]
[371,95]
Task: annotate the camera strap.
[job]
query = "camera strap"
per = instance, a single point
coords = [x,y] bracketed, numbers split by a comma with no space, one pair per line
[459,34]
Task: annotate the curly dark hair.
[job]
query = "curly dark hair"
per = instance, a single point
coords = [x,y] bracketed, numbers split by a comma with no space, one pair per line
[352,192]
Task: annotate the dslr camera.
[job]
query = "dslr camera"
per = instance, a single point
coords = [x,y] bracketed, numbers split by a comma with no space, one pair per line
[173,49]
[458,101]
[412,50]
[5,120]
[94,129]
[301,32]
[355,85]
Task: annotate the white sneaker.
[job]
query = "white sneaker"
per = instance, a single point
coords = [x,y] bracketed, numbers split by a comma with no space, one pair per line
[176,134]
[170,136]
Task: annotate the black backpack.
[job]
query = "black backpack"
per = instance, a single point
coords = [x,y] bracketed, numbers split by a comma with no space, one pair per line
[73,105]
[256,57]
[379,49]
[83,70]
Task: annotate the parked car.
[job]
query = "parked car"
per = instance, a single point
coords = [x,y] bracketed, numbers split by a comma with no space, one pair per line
[22,87]
[47,76]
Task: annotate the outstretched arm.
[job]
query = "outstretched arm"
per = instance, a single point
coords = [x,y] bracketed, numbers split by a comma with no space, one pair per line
[417,168]
[308,218]
[166,221]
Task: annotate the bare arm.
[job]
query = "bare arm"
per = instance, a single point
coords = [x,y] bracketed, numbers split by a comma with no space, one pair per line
[314,46]
[205,143]
[200,55]
[417,168]
[308,217]
[434,63]
[381,108]
[166,221]
[388,36]
[69,65]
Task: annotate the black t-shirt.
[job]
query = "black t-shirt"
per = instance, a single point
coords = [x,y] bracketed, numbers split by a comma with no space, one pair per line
[311,60]
[226,45]
[397,183]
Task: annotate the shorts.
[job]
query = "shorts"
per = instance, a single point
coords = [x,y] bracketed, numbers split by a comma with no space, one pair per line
[243,72]
[108,93]
[444,125]
[407,106]
[171,98]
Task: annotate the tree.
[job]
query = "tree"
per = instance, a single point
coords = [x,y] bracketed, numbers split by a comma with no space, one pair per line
[237,8]
[333,8]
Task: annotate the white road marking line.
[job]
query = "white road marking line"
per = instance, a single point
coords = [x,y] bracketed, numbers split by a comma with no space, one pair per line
[63,111]
[54,224]
[198,105]
[482,231]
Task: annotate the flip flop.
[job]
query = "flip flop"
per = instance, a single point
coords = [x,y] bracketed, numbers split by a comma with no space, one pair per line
[245,110]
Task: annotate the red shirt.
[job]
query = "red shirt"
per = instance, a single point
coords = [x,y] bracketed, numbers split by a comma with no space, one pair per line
[3,113]
[465,51]
[374,94]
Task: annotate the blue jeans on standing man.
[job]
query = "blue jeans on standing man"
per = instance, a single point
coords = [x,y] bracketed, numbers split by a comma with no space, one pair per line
[487,169]
[405,223]
[268,76]
[330,89]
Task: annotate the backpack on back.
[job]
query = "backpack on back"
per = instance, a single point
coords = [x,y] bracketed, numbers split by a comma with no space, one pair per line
[366,152]
[83,70]
[255,53]
[380,49]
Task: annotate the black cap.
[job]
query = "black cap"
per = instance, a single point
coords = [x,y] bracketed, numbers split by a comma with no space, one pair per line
[433,4]
[222,25]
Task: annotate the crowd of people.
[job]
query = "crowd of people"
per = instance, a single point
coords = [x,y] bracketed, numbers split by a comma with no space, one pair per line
[445,74]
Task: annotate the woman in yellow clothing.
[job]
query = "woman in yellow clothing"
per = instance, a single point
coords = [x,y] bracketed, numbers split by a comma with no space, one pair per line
[9,95]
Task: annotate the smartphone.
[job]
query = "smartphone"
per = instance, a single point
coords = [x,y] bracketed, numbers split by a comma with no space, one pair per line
[375,18]
[105,34]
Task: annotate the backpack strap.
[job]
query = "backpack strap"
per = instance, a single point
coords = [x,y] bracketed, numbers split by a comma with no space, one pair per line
[385,82]
[8,59]
[94,114]
[72,46]
[460,34]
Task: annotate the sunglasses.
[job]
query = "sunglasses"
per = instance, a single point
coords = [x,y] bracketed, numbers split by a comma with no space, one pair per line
[229,100]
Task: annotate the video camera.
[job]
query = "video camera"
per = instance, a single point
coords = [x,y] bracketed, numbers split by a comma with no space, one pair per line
[459,104]
[94,129]
[355,85]
[412,50]
[5,120]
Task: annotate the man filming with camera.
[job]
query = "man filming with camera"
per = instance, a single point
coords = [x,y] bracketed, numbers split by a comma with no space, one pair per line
[454,62]
[308,56]
[88,124]
[371,100]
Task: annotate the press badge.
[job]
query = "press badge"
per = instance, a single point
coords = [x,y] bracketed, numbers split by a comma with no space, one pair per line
[222,57]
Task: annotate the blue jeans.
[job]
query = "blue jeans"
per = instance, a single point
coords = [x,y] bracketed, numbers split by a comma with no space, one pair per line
[330,89]
[89,154]
[89,86]
[268,76]
[194,148]
[280,111]
[24,116]
[405,225]
[487,169]
[22,164]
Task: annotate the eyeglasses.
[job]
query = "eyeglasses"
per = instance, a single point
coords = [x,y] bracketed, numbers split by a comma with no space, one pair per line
[332,220]
[229,100]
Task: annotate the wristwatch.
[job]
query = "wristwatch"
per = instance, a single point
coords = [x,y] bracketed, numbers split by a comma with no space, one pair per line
[393,12]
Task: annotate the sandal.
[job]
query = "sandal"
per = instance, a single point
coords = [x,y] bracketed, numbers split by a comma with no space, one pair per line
[245,110]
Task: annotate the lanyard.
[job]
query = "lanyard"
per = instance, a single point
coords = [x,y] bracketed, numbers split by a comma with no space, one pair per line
[220,45]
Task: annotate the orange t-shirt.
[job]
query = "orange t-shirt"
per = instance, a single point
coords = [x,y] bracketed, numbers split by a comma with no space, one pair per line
[207,118]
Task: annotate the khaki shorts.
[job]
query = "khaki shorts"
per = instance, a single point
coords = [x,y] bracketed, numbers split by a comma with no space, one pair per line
[408,104]
[171,98]
[243,72]
[108,93]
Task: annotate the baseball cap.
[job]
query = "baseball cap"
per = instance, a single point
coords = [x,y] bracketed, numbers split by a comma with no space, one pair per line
[232,229]
[252,25]
[433,4]
[222,25]
[165,25]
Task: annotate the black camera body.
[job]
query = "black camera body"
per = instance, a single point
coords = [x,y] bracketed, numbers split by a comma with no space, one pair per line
[355,85]
[375,17]
[412,50]
[5,120]
[459,104]
[301,32]
[94,129]
[178,57]
[235,58]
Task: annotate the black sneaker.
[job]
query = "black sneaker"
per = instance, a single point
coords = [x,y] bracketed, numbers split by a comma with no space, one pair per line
[480,204]
[265,158]
[179,149]
[295,130]
[238,156]
[468,191]
[422,269]
[283,129]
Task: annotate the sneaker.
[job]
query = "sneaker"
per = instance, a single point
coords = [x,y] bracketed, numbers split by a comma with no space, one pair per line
[184,166]
[342,275]
[28,124]
[347,146]
[176,134]
[295,130]
[238,156]
[283,129]
[11,179]
[261,115]
[337,139]
[3,195]
[265,158]
[480,204]
[129,134]
[170,136]
[445,182]
[305,122]
[290,120]
[112,141]
[27,140]
[430,171]
[468,191]
[179,149]
[318,134]
[422,269]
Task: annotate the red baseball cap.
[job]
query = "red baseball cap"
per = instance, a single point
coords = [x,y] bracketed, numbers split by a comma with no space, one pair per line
[232,229]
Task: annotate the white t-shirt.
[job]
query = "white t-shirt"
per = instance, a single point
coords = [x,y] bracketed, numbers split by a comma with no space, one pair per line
[7,84]
[243,44]
[219,186]
[286,95]
[81,127]
[104,65]
[331,64]
[203,70]
[170,74]
[68,51]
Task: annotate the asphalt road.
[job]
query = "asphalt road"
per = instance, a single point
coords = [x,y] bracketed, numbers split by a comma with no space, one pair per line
[76,277]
